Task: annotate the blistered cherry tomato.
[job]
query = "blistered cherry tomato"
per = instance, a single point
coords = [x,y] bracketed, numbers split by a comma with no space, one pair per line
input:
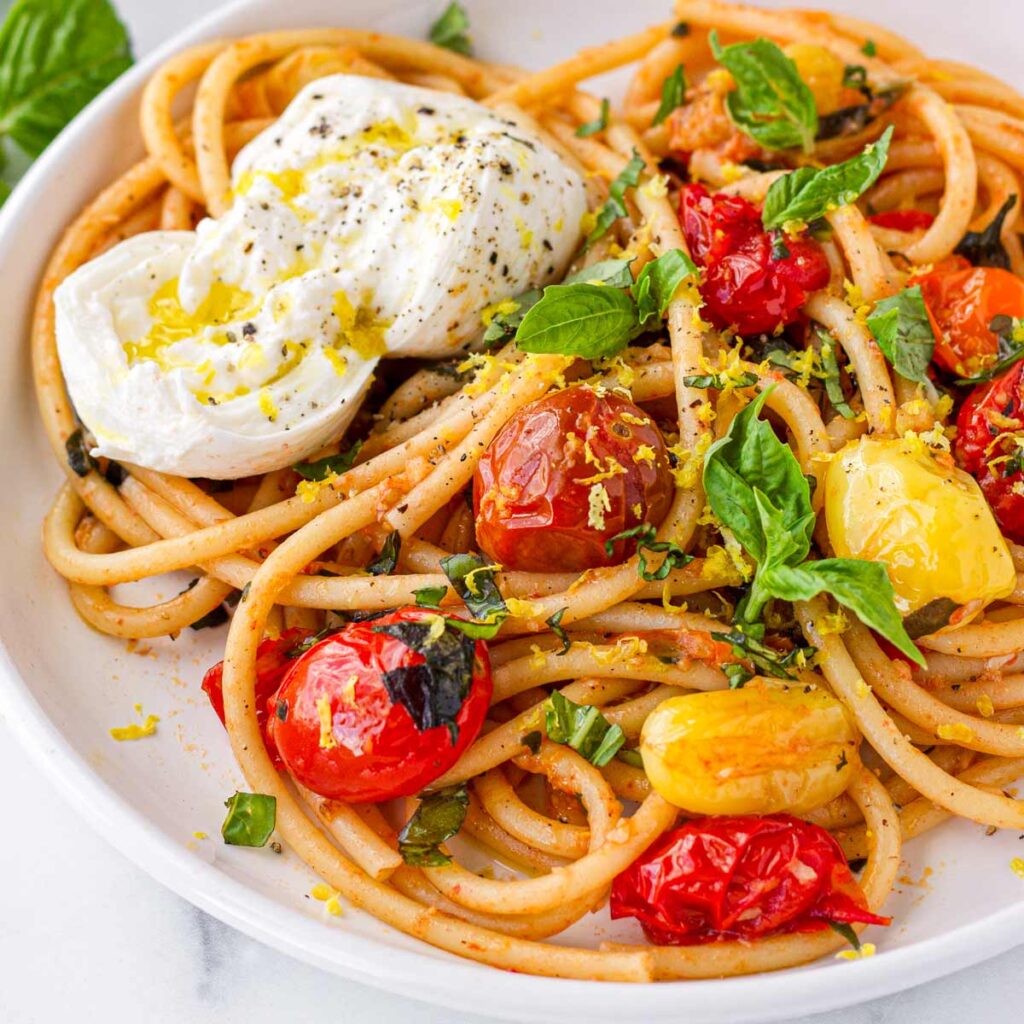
[989,427]
[962,301]
[356,710]
[274,658]
[743,284]
[903,220]
[740,878]
[565,475]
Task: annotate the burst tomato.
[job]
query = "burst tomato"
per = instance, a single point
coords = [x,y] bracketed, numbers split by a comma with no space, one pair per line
[740,878]
[903,220]
[274,658]
[962,301]
[381,708]
[565,475]
[743,284]
[990,430]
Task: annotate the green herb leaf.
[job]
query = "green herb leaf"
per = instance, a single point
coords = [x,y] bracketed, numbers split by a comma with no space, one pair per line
[582,727]
[808,193]
[680,30]
[855,76]
[853,119]
[430,597]
[869,49]
[719,381]
[213,618]
[503,326]
[614,273]
[473,580]
[985,248]
[554,623]
[615,205]
[330,465]
[771,103]
[658,282]
[587,320]
[833,383]
[55,56]
[532,741]
[673,92]
[451,30]
[847,932]
[737,675]
[77,450]
[598,125]
[439,817]
[903,330]
[384,564]
[250,819]
[1010,331]
[765,659]
[863,587]
[931,618]
[630,756]
[644,534]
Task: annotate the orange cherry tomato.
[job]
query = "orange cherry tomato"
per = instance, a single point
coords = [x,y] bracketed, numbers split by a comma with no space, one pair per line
[962,301]
[565,475]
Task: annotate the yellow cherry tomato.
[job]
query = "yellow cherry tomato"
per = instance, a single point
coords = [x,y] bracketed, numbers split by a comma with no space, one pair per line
[823,72]
[759,750]
[928,522]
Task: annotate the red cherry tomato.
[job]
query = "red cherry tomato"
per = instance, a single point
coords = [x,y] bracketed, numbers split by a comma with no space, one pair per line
[743,285]
[272,662]
[903,220]
[962,301]
[740,878]
[535,485]
[348,735]
[989,426]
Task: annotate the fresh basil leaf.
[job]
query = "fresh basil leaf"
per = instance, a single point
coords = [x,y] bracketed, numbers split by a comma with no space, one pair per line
[430,597]
[451,30]
[615,205]
[833,382]
[658,281]
[630,756]
[587,320]
[598,125]
[862,587]
[869,49]
[439,817]
[55,56]
[853,119]
[77,451]
[554,623]
[750,456]
[903,330]
[582,727]
[503,326]
[473,580]
[329,465]
[931,618]
[783,545]
[213,618]
[771,103]
[985,248]
[384,564]
[614,273]
[673,92]
[532,741]
[644,534]
[808,193]
[719,381]
[250,819]
[847,932]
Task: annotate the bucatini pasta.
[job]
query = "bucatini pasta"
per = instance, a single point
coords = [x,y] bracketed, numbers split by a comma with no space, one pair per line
[683,512]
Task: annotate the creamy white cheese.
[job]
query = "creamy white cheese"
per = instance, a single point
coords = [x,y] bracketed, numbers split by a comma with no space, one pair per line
[373,218]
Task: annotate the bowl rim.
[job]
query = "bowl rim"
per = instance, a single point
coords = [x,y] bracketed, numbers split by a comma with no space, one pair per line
[440,978]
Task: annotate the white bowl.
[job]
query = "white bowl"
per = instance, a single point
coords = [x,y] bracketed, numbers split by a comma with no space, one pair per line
[63,686]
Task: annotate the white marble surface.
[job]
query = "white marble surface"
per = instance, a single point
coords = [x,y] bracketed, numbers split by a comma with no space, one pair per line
[84,932]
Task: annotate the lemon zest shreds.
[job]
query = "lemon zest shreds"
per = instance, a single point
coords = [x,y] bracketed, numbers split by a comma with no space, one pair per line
[523,609]
[135,731]
[985,706]
[1017,867]
[323,711]
[866,949]
[956,731]
[598,504]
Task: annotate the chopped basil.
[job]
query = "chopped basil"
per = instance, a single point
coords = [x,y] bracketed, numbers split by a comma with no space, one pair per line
[658,282]
[737,675]
[644,534]
[630,756]
[615,205]
[673,92]
[430,597]
[532,741]
[850,120]
[808,193]
[473,580]
[329,465]
[582,727]
[901,326]
[281,709]
[1010,351]
[833,383]
[439,817]
[869,49]
[451,30]
[250,819]
[930,618]
[555,623]
[301,646]
[985,248]
[77,450]
[847,932]
[213,618]
[771,103]
[719,381]
[765,659]
[597,125]
[680,30]
[855,76]
[384,564]
[503,326]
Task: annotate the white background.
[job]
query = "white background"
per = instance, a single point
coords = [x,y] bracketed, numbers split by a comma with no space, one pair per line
[83,932]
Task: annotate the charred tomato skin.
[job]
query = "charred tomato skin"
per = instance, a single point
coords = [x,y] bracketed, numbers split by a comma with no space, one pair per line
[532,487]
[987,413]
[342,736]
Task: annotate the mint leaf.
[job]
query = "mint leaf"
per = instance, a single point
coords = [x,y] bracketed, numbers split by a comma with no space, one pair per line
[673,92]
[615,205]
[771,103]
[588,320]
[55,56]
[903,330]
[808,193]
[658,281]
[451,30]
[597,125]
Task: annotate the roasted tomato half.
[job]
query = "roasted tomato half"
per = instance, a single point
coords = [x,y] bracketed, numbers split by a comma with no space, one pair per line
[748,281]
[740,878]
[274,658]
[565,475]
[382,708]
[903,220]
[990,431]
[962,301]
